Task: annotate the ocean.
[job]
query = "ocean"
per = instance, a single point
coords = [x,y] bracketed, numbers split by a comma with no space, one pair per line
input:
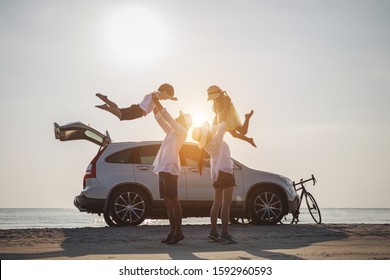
[22,218]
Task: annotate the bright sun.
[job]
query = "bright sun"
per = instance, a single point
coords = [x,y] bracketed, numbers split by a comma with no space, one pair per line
[198,119]
[135,33]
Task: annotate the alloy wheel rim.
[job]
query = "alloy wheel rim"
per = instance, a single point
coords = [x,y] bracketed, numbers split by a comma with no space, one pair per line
[268,206]
[129,207]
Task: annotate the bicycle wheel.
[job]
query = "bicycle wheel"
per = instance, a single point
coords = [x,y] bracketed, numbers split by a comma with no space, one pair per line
[287,219]
[313,208]
[295,217]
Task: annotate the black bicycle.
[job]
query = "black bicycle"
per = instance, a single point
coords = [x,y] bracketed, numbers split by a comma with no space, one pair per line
[311,203]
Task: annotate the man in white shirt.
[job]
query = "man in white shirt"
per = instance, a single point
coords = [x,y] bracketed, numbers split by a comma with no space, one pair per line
[167,165]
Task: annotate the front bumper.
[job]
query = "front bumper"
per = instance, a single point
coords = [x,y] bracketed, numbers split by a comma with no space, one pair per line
[293,205]
[89,205]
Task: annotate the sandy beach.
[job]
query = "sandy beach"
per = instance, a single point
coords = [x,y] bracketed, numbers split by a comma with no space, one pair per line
[279,242]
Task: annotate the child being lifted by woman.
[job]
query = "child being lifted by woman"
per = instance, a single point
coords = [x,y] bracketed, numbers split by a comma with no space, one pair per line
[222,105]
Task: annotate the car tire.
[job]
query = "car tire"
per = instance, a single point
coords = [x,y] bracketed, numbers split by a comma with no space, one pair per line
[108,218]
[129,206]
[266,206]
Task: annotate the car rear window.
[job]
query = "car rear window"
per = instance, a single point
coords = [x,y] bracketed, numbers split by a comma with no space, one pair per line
[139,155]
[147,154]
[120,157]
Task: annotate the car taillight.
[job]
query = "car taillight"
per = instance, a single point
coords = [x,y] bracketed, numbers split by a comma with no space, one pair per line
[91,171]
[91,168]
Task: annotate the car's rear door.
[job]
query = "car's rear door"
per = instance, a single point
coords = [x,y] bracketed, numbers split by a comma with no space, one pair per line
[200,187]
[143,158]
[80,131]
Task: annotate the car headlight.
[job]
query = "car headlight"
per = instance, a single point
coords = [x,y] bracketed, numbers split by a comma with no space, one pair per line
[290,186]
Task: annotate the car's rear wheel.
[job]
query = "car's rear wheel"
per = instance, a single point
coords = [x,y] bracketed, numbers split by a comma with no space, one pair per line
[108,218]
[266,206]
[128,207]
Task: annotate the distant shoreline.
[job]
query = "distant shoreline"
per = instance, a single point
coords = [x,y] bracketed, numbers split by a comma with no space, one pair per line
[40,218]
[279,242]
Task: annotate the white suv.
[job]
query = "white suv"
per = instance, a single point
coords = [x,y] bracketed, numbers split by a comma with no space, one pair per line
[119,182]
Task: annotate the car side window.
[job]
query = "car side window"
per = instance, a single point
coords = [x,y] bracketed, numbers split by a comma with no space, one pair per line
[140,155]
[120,157]
[189,156]
[147,154]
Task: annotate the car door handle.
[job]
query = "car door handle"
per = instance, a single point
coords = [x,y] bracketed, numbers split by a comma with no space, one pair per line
[193,169]
[143,167]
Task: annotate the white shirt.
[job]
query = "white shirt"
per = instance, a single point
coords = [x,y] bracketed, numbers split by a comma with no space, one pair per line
[219,152]
[167,159]
[147,104]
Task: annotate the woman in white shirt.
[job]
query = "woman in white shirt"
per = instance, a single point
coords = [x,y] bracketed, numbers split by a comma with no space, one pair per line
[221,170]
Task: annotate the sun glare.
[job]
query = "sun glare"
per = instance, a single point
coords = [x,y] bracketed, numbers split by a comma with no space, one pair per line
[198,119]
[135,33]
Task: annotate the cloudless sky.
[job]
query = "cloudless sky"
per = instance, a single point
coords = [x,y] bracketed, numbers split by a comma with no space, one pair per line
[316,73]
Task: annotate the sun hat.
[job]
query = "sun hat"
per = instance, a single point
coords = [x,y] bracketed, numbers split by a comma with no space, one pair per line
[213,92]
[199,134]
[166,88]
[187,119]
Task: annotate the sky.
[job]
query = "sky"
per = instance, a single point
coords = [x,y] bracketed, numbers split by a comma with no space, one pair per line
[316,74]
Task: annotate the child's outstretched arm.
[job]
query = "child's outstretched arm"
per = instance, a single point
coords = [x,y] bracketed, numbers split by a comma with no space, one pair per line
[156,101]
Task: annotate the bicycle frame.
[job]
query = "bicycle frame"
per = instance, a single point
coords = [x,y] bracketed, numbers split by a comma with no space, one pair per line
[313,207]
[302,182]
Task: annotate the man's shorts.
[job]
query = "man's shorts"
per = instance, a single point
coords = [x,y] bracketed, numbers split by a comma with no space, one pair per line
[167,185]
[225,180]
[132,112]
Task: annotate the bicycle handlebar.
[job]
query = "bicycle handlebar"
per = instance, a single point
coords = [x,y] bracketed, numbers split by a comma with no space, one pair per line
[301,182]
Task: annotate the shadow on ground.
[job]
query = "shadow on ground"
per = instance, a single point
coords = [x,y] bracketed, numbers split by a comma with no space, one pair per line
[255,242]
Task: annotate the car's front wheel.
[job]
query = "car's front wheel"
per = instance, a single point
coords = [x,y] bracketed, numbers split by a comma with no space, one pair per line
[266,206]
[128,207]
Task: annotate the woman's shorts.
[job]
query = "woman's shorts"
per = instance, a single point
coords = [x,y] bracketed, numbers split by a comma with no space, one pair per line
[225,180]
[132,112]
[167,185]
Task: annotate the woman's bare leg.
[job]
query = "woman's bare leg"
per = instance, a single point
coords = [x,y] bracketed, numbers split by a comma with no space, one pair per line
[215,209]
[225,210]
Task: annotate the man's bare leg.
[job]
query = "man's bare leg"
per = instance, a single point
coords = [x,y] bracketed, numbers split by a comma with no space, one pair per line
[177,217]
[171,218]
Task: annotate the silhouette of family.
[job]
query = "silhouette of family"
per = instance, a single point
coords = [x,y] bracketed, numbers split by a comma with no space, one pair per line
[209,139]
